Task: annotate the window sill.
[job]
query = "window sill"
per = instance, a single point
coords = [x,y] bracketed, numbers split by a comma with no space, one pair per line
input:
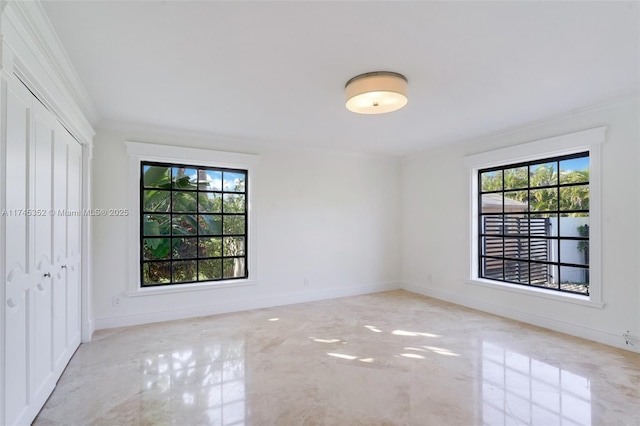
[183,288]
[538,292]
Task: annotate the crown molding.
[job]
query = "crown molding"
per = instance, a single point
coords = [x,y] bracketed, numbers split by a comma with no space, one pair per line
[40,61]
[233,143]
[632,98]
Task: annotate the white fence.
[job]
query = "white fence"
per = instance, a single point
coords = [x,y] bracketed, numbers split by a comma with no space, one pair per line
[568,251]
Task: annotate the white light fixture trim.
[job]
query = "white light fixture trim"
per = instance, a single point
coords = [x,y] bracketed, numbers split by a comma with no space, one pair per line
[376,92]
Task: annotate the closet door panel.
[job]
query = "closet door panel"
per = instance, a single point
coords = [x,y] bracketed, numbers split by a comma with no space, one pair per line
[44,128]
[17,279]
[60,154]
[42,343]
[16,358]
[74,242]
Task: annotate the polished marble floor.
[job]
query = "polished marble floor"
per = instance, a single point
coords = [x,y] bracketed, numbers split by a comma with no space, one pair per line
[392,358]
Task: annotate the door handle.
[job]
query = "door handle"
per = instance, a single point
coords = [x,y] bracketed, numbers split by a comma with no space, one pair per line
[48,274]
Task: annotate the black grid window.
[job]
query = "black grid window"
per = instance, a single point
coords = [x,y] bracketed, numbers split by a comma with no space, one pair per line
[193,224]
[533,223]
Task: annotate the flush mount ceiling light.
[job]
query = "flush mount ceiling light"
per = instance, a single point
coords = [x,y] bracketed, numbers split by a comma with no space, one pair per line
[376,92]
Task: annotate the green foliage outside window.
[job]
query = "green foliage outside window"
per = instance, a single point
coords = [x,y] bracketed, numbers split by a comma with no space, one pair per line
[575,196]
[193,224]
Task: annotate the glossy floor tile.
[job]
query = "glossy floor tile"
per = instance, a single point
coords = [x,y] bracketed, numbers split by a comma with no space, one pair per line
[392,358]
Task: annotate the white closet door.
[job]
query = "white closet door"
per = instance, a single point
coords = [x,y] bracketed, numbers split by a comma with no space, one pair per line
[59,324]
[44,126]
[67,173]
[42,252]
[74,244]
[19,281]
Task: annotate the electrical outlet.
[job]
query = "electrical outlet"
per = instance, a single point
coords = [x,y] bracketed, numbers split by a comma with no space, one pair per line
[115,301]
[629,339]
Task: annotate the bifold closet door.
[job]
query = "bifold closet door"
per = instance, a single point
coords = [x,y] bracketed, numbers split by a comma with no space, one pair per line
[19,271]
[66,222]
[60,154]
[43,256]
[73,242]
[42,183]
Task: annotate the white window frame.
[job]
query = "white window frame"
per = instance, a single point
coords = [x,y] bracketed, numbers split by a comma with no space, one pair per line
[586,140]
[139,152]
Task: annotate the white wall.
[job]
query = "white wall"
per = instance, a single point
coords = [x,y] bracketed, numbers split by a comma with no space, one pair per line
[330,217]
[435,228]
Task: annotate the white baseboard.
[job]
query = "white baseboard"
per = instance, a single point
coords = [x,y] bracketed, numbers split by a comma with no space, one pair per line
[223,308]
[555,324]
[87,331]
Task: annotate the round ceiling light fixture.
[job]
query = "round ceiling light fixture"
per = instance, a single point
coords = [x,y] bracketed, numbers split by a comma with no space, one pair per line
[376,92]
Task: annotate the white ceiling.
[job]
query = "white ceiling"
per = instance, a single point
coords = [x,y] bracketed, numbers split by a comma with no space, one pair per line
[275,71]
